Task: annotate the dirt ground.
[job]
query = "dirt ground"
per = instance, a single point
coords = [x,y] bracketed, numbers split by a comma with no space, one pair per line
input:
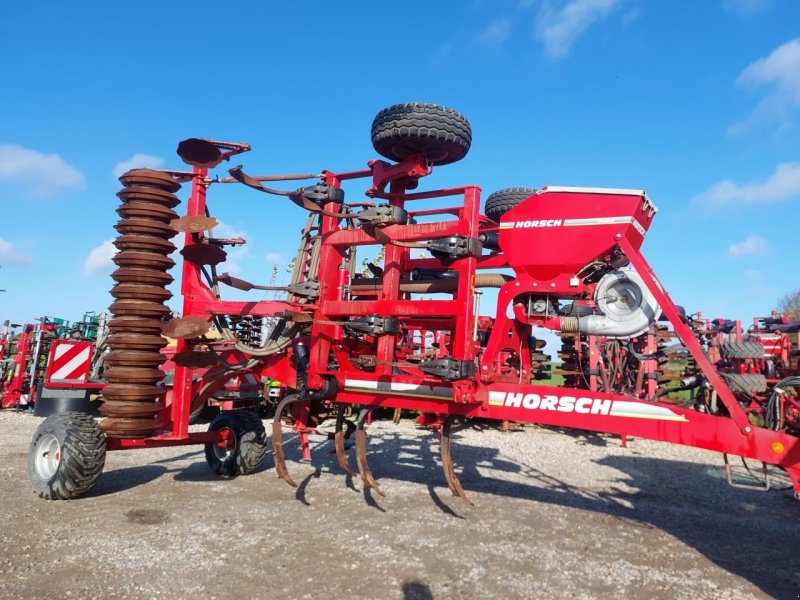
[558,516]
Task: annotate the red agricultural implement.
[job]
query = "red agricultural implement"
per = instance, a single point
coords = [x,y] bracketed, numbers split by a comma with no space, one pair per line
[51,365]
[24,358]
[407,336]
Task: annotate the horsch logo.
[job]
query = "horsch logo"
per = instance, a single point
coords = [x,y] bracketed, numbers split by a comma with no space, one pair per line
[568,404]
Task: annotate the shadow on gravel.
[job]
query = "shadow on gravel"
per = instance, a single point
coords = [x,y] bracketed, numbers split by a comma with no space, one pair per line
[753,535]
[116,480]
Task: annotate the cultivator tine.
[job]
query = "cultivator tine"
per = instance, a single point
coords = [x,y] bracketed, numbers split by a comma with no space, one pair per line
[447,463]
[361,453]
[338,440]
[277,440]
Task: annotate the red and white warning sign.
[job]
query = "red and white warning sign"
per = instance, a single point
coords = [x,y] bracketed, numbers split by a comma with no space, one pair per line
[70,362]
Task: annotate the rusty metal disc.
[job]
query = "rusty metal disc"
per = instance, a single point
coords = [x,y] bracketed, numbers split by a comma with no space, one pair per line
[146,210]
[150,177]
[131,392]
[134,358]
[143,260]
[199,153]
[130,428]
[196,359]
[134,325]
[204,254]
[130,408]
[136,341]
[143,276]
[139,308]
[148,194]
[135,225]
[137,291]
[144,243]
[186,328]
[138,375]
[194,224]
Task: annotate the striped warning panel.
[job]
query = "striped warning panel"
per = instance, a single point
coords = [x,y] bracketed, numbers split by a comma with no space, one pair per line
[69,362]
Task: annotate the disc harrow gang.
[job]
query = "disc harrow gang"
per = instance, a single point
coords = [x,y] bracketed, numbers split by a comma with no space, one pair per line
[404,326]
[131,397]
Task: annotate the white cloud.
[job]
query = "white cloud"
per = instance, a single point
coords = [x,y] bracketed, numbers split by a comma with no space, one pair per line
[98,262]
[10,255]
[559,28]
[754,275]
[40,175]
[235,253]
[273,257]
[745,8]
[782,185]
[223,230]
[753,245]
[496,32]
[232,261]
[781,71]
[138,161]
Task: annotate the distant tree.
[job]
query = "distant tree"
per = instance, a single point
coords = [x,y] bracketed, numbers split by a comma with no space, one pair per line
[789,305]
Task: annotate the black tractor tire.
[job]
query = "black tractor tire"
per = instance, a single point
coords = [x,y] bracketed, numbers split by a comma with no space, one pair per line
[502,201]
[750,383]
[66,456]
[741,350]
[245,448]
[441,133]
[203,414]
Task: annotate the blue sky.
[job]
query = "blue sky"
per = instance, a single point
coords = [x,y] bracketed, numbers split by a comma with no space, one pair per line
[695,101]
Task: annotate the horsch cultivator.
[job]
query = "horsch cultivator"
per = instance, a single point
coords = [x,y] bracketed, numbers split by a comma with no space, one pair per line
[409,335]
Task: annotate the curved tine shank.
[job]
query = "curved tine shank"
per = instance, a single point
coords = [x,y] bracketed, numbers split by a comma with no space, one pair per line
[361,453]
[277,440]
[447,463]
[338,440]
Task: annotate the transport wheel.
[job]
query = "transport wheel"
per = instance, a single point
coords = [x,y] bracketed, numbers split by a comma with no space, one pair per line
[441,133]
[66,456]
[741,350]
[243,451]
[751,383]
[502,201]
[203,414]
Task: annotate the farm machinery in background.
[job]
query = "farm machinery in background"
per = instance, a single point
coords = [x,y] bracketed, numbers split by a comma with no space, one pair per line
[409,334]
[52,365]
[760,365]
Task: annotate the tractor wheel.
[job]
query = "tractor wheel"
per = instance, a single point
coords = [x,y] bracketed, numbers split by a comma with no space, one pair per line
[741,351]
[440,133]
[751,383]
[502,201]
[203,414]
[66,456]
[244,450]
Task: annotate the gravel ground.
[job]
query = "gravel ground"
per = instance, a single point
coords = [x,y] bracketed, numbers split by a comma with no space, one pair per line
[557,515]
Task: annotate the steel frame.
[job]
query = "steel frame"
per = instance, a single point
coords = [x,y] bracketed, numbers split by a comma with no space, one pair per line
[488,395]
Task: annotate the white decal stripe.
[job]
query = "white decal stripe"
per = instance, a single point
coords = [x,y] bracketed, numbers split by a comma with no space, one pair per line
[69,368]
[398,389]
[61,349]
[497,398]
[597,221]
[507,225]
[638,410]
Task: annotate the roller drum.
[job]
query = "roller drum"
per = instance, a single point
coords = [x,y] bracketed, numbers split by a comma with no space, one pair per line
[131,404]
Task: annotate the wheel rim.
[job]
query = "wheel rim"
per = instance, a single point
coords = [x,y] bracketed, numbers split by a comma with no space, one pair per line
[225,449]
[48,456]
